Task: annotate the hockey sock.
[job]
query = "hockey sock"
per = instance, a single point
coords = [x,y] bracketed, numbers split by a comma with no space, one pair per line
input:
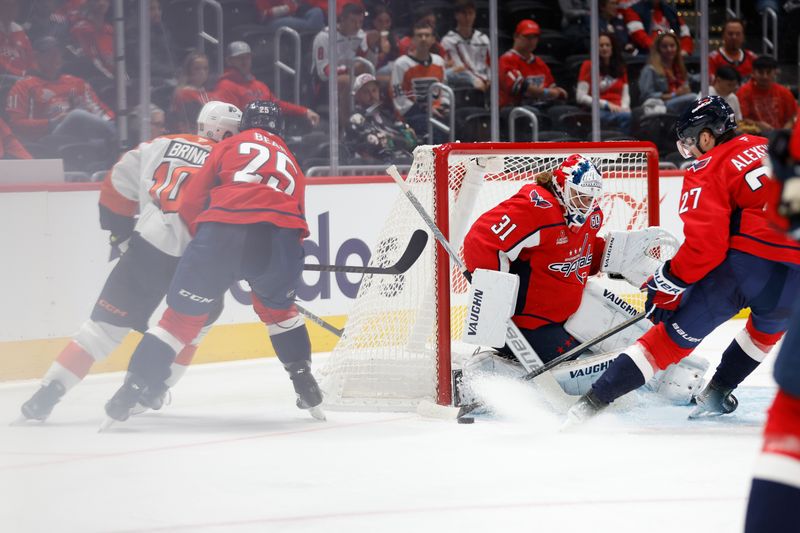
[622,376]
[70,367]
[775,492]
[151,361]
[771,507]
[741,357]
[292,346]
[181,364]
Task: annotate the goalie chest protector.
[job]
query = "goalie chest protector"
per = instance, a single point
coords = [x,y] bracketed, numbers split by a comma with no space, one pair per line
[527,235]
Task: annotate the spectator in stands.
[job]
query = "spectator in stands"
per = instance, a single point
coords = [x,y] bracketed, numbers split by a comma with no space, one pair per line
[373,135]
[323,5]
[647,19]
[611,21]
[412,76]
[351,42]
[383,42]
[726,82]
[50,108]
[158,125]
[615,100]
[298,15]
[16,55]
[239,87]
[10,147]
[162,66]
[190,96]
[575,20]
[94,36]
[427,15]
[467,50]
[45,21]
[732,53]
[664,77]
[72,10]
[524,77]
[768,105]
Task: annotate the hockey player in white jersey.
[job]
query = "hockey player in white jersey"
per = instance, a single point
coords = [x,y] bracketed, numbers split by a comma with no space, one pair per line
[147,182]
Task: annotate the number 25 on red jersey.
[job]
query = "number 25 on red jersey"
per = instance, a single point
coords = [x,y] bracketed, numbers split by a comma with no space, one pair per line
[271,167]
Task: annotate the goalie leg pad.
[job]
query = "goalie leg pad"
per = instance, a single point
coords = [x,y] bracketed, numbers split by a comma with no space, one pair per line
[601,310]
[576,377]
[492,299]
[680,381]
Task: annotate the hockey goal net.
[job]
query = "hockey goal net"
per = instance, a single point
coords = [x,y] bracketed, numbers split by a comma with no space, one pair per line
[404,331]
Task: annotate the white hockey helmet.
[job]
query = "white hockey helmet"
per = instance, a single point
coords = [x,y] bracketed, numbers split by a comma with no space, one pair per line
[578,185]
[218,120]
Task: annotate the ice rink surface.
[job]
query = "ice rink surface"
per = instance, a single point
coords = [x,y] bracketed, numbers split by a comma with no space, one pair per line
[233,453]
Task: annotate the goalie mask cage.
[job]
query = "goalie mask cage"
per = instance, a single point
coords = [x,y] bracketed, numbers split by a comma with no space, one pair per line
[403,332]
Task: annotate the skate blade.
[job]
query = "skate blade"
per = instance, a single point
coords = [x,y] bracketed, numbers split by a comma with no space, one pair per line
[22,420]
[317,413]
[107,423]
[700,414]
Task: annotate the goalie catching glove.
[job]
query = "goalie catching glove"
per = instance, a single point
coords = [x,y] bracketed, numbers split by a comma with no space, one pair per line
[635,255]
[664,292]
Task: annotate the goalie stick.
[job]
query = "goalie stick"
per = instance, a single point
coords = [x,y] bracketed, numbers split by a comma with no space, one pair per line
[416,245]
[515,340]
[585,346]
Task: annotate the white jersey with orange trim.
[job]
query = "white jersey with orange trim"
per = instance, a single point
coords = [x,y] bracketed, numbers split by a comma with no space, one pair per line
[149,179]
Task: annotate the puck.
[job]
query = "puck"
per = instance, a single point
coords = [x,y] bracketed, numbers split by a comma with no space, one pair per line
[466,420]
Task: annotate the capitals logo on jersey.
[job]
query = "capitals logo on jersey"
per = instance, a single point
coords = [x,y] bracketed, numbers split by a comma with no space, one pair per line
[577,260]
[538,201]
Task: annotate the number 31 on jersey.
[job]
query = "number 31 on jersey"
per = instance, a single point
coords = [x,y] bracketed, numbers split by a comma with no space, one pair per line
[503,228]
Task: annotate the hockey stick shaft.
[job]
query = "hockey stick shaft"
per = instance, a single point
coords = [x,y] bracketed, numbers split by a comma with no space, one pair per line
[319,321]
[514,338]
[585,346]
[437,234]
[416,245]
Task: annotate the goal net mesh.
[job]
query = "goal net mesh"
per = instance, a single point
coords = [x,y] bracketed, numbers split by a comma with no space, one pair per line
[389,355]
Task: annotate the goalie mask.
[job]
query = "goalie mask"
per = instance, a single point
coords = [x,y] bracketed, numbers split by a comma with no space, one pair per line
[577,184]
[218,121]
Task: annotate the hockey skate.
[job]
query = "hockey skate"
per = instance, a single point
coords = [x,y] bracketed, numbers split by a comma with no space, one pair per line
[584,409]
[309,396]
[120,407]
[714,400]
[42,402]
[152,398]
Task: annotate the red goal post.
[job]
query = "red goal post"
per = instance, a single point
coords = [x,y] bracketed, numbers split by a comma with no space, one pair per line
[403,334]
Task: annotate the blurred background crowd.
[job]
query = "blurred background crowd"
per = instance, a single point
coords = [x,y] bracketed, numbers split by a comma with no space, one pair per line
[407,72]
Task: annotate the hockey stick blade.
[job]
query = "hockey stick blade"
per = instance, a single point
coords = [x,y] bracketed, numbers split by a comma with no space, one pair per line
[416,245]
[586,345]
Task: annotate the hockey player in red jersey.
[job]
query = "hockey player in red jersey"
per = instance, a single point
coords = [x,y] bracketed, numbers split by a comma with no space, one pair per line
[247,208]
[139,206]
[775,492]
[547,234]
[731,258]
